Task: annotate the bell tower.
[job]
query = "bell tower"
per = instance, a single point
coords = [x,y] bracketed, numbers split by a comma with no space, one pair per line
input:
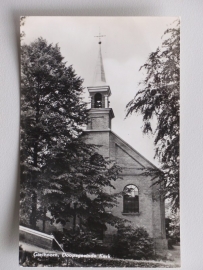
[100,115]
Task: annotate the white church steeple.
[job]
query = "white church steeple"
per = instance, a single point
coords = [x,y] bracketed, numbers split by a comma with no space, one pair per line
[100,114]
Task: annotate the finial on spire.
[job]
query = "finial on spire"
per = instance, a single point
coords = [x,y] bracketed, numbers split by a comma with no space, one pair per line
[99,36]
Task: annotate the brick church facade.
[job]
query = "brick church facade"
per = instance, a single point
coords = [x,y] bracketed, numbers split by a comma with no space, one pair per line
[141,203]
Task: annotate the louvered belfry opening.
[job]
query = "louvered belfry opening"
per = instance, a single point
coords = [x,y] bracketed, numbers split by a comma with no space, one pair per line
[98,100]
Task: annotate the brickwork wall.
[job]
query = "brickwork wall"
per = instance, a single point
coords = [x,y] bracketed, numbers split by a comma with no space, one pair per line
[161,246]
[99,138]
[99,121]
[151,208]
[149,215]
[144,217]
[158,214]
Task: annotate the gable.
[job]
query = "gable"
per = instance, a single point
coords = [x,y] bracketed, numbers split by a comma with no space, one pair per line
[126,155]
[124,159]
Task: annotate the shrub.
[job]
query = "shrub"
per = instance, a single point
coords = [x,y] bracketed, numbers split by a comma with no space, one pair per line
[80,242]
[130,243]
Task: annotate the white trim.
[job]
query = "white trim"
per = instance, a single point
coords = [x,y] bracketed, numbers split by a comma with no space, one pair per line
[102,88]
[34,232]
[97,130]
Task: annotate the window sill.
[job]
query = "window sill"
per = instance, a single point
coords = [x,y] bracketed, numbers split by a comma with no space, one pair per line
[130,214]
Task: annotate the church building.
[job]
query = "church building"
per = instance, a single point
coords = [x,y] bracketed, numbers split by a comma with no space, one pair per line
[141,204]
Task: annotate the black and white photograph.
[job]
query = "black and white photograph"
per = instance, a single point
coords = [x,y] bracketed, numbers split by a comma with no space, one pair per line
[99,142]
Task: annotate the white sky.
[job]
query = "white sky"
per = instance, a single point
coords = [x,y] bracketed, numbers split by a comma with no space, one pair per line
[127,45]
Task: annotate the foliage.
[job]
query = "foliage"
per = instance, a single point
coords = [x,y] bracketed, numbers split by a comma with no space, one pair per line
[80,242]
[60,173]
[130,243]
[158,98]
[174,226]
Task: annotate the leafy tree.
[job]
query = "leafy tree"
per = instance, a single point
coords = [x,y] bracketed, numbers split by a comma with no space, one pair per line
[174,225]
[60,173]
[158,98]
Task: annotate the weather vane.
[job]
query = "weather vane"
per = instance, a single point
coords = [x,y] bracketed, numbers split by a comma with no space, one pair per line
[99,36]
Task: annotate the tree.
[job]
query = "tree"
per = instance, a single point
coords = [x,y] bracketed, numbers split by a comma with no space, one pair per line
[158,98]
[174,226]
[60,173]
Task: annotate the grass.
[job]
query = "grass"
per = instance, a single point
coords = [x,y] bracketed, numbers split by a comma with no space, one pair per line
[29,260]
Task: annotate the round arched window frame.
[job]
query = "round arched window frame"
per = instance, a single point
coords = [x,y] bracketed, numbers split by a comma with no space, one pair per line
[130,199]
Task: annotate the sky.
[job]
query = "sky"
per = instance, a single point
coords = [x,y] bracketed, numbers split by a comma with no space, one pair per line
[126,46]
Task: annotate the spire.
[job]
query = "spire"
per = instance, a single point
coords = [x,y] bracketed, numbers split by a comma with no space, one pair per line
[100,115]
[99,78]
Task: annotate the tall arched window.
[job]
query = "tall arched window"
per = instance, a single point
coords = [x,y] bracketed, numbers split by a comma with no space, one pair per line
[130,199]
[98,100]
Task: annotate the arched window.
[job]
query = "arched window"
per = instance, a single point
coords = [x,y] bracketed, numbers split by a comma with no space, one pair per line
[130,199]
[98,100]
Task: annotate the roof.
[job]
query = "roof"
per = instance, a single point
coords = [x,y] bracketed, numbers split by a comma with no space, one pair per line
[99,77]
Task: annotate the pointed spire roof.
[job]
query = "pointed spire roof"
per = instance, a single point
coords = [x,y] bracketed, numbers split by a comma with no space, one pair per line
[99,77]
